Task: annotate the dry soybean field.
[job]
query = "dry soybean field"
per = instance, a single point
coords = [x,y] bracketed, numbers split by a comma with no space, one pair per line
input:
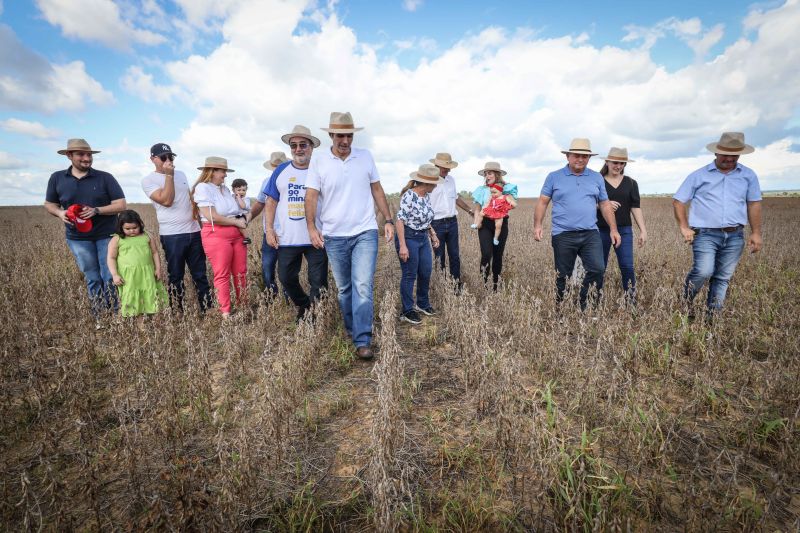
[497,414]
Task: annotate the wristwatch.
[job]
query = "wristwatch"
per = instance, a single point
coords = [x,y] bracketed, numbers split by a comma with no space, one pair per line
[389,222]
[96,211]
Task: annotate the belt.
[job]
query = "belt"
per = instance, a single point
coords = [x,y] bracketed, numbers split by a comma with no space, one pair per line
[445,219]
[731,229]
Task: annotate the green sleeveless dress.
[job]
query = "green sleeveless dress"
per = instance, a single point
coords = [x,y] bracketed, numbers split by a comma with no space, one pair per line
[141,293]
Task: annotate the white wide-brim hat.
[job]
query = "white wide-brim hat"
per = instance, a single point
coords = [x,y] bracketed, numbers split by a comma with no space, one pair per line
[494,166]
[579,146]
[427,173]
[216,162]
[619,155]
[443,159]
[341,123]
[301,131]
[731,143]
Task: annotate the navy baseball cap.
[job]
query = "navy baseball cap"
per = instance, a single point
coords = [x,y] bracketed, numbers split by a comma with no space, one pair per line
[160,149]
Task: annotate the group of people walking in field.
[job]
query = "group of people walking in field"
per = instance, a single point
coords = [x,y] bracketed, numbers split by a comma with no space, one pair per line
[319,205]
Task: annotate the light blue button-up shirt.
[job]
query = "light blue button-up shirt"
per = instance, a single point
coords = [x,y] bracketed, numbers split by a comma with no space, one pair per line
[719,200]
[575,198]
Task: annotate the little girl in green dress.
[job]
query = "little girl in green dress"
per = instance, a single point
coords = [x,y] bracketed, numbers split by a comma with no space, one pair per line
[136,267]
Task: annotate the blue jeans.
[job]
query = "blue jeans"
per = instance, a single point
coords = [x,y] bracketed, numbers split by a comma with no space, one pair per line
[91,257]
[567,246]
[624,258]
[447,232]
[416,269]
[184,249]
[716,255]
[353,261]
[269,260]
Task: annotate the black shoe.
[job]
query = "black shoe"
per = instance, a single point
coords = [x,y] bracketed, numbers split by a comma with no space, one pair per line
[427,311]
[246,241]
[412,317]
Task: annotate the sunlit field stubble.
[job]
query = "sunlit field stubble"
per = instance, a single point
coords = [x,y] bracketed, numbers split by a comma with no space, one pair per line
[496,414]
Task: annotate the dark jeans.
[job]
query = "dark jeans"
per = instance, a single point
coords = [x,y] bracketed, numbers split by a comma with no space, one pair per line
[624,258]
[447,232]
[491,255]
[571,244]
[416,269]
[269,260]
[290,259]
[181,250]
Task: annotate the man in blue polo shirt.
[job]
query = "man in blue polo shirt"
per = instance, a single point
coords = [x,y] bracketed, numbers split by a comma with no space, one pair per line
[101,199]
[285,221]
[576,192]
[725,196]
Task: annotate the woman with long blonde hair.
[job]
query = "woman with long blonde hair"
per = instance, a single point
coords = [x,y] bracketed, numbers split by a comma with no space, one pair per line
[218,213]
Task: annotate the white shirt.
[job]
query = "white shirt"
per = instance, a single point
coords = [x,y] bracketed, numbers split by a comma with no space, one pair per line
[346,207]
[288,189]
[443,198]
[177,218]
[220,198]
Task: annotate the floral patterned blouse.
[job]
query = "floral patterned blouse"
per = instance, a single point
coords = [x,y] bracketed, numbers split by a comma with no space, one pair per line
[415,212]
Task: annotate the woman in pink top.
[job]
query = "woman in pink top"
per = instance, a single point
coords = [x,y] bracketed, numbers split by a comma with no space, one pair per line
[219,214]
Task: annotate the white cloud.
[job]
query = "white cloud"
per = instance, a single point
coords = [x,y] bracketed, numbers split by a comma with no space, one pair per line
[29,82]
[689,31]
[96,20]
[141,84]
[9,162]
[32,129]
[513,97]
[411,5]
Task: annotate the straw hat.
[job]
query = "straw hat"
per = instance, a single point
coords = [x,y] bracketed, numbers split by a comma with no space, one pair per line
[492,165]
[731,143]
[216,162]
[443,159]
[427,173]
[276,159]
[619,154]
[579,146]
[300,131]
[78,145]
[341,123]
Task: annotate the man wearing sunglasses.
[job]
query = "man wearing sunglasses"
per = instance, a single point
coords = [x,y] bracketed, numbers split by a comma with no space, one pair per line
[285,222]
[179,231]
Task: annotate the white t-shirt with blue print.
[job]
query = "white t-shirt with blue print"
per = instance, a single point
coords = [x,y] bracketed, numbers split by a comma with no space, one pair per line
[287,186]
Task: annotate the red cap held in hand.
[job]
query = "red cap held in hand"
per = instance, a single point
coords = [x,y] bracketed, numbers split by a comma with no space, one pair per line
[74,215]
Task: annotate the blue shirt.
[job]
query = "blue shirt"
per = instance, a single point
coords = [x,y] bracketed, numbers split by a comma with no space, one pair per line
[95,189]
[719,200]
[575,198]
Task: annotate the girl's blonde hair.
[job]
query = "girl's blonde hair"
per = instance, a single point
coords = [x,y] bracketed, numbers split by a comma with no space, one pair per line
[410,185]
[204,177]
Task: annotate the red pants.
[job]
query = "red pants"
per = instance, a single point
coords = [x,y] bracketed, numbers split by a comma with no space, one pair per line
[228,256]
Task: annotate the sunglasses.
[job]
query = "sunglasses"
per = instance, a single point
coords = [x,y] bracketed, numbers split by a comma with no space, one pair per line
[164,157]
[298,146]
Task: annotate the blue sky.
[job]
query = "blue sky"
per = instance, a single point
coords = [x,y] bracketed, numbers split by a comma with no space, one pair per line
[511,82]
